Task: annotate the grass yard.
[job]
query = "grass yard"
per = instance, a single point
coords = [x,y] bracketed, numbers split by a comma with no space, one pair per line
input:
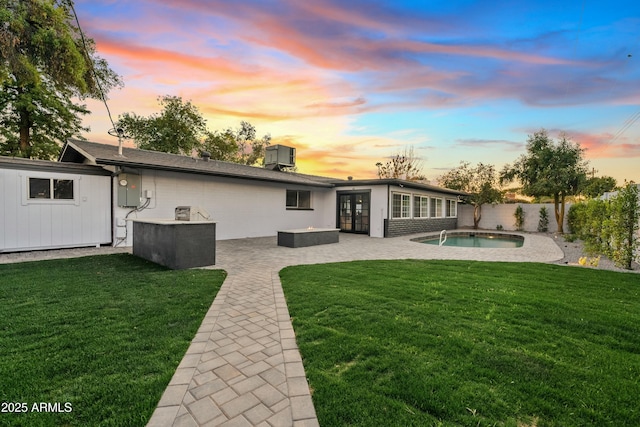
[100,336]
[464,343]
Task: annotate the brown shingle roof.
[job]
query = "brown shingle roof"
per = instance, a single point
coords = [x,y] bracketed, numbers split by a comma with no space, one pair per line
[77,151]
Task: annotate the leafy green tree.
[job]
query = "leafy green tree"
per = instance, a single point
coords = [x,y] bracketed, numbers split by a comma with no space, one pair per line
[549,168]
[237,145]
[597,186]
[177,129]
[481,182]
[405,165]
[45,62]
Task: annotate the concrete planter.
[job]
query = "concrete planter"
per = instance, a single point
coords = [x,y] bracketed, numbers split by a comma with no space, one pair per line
[175,244]
[307,237]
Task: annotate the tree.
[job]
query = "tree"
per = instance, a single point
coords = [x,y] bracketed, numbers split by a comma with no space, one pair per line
[45,62]
[480,182]
[238,146]
[405,165]
[597,186]
[549,168]
[178,129]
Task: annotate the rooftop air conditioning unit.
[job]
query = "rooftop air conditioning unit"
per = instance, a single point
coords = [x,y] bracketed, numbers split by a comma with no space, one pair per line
[191,213]
[279,156]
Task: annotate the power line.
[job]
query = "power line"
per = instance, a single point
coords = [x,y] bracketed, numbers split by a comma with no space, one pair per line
[93,70]
[626,125]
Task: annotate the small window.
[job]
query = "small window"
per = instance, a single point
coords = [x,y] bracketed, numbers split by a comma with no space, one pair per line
[39,188]
[298,199]
[452,208]
[63,189]
[46,188]
[420,207]
[401,207]
[436,208]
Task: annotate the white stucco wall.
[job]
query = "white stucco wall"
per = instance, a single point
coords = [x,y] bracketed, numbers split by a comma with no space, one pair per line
[241,208]
[503,214]
[33,224]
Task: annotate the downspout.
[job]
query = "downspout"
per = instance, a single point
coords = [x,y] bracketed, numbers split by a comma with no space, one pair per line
[113,211]
[386,220]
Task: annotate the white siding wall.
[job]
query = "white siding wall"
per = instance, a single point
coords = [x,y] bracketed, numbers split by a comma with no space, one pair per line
[47,224]
[241,208]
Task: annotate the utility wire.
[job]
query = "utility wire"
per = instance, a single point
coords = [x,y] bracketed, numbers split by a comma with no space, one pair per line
[626,125]
[93,70]
[634,116]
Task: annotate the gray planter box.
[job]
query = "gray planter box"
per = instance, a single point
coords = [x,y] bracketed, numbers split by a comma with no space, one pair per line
[307,237]
[175,244]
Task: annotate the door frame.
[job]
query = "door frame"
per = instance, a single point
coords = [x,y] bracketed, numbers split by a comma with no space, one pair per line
[353,193]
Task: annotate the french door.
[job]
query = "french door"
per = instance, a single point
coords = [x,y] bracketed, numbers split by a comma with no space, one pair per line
[353,212]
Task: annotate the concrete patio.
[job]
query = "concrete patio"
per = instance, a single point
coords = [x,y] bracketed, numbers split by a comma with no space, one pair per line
[243,367]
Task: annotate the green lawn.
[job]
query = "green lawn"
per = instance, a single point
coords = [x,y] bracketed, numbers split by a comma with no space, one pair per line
[463,343]
[99,335]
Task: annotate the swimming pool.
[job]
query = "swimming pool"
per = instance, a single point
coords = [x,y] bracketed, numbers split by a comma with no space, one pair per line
[476,240]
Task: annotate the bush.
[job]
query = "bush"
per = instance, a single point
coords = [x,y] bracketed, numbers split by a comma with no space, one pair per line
[624,226]
[519,215]
[543,222]
[575,218]
[609,227]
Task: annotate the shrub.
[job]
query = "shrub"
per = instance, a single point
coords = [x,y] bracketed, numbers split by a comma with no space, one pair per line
[576,217]
[624,225]
[543,222]
[609,227]
[519,215]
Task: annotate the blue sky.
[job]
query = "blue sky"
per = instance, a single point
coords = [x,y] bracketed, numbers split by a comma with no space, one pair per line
[352,83]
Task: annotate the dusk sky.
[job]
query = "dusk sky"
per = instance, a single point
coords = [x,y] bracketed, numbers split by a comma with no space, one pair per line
[350,83]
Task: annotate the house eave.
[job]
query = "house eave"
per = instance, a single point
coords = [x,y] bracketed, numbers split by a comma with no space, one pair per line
[138,165]
[399,183]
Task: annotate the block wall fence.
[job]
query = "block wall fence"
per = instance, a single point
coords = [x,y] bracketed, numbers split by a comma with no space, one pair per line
[503,214]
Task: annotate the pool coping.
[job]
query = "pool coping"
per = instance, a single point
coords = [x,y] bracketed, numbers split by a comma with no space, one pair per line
[480,233]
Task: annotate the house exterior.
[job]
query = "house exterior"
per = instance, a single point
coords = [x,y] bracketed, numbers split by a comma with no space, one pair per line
[247,201]
[50,205]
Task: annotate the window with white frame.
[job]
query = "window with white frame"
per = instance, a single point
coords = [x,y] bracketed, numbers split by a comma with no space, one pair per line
[452,208]
[401,205]
[420,207]
[298,199]
[436,208]
[50,189]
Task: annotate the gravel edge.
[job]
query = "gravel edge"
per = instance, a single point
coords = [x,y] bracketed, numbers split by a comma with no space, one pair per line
[573,251]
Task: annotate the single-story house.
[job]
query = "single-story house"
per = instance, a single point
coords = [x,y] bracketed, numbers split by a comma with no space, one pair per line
[244,201]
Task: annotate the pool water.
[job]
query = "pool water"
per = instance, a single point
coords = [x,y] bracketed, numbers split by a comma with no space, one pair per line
[479,241]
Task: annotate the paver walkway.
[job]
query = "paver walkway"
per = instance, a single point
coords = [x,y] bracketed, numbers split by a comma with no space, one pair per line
[243,367]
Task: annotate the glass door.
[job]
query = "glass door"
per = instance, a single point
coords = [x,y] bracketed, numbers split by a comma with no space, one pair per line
[353,212]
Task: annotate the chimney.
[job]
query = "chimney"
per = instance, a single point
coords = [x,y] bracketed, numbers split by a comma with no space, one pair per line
[206,156]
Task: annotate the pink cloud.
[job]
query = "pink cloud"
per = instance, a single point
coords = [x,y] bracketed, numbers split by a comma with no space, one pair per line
[604,145]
